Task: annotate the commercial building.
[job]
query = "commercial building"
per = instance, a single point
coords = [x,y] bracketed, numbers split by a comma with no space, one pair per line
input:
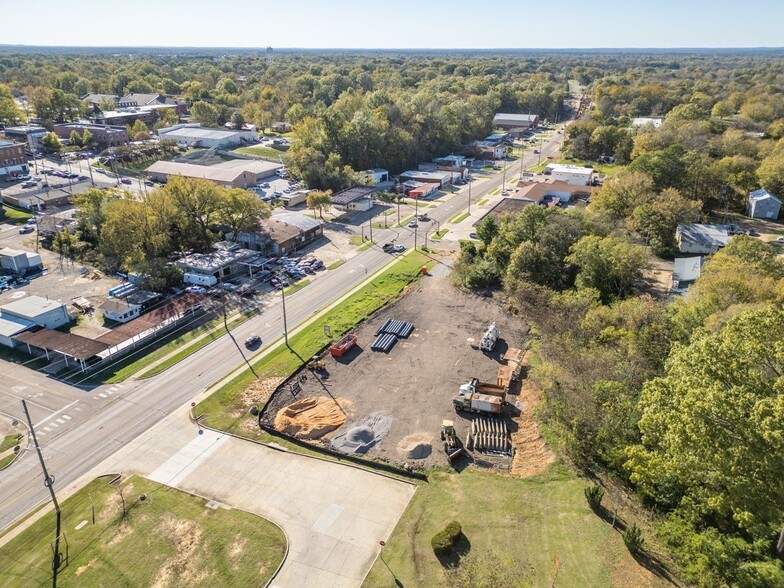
[13,158]
[194,135]
[106,136]
[571,174]
[20,262]
[34,311]
[37,199]
[376,176]
[136,100]
[451,161]
[358,198]
[702,239]
[515,124]
[260,168]
[540,191]
[120,311]
[226,261]
[232,177]
[440,178]
[295,198]
[418,190]
[763,204]
[291,231]
[281,127]
[149,115]
[31,135]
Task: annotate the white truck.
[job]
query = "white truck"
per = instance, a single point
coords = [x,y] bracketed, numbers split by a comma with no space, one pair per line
[489,338]
[476,396]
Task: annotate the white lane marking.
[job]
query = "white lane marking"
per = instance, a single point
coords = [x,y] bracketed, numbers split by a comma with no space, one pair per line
[54,414]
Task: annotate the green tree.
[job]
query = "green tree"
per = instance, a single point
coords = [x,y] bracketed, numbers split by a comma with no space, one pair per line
[319,200]
[205,113]
[237,120]
[9,113]
[51,143]
[621,194]
[658,219]
[75,139]
[666,166]
[712,427]
[610,265]
[771,173]
[242,211]
[487,230]
[87,139]
[722,109]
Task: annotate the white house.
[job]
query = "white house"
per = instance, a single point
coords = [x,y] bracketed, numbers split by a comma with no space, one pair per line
[571,174]
[763,204]
[642,121]
[119,310]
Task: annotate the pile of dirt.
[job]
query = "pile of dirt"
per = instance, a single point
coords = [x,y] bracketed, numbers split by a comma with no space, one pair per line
[310,418]
[415,446]
[364,434]
[532,456]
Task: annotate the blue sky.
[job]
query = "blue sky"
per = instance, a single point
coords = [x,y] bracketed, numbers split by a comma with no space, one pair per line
[399,24]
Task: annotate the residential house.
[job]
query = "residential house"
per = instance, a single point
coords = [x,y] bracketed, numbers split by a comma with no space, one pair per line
[763,204]
[702,239]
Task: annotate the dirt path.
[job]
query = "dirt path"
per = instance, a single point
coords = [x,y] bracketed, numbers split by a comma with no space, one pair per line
[532,456]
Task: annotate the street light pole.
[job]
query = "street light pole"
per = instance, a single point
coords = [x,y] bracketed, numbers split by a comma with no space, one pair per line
[503,189]
[285,325]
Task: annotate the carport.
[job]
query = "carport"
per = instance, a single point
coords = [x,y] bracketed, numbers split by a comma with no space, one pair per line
[80,350]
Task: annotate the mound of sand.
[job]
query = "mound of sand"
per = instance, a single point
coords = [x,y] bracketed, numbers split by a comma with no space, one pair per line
[532,456]
[415,446]
[310,418]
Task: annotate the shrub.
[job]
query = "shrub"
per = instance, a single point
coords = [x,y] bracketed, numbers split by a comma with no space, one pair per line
[444,541]
[632,537]
[594,495]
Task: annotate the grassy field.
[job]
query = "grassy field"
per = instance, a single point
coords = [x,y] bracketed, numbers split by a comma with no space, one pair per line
[336,264]
[528,524]
[262,151]
[171,538]
[459,217]
[14,216]
[227,408]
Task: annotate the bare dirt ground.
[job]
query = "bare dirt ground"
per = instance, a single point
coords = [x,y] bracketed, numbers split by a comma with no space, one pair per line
[531,456]
[415,382]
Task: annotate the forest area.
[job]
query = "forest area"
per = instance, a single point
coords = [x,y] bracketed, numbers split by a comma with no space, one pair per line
[680,400]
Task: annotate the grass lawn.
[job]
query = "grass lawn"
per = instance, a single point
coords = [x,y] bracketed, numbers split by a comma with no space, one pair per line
[227,408]
[7,461]
[263,151]
[482,202]
[336,264]
[8,442]
[297,286]
[495,191]
[438,235]
[459,217]
[171,538]
[528,523]
[15,216]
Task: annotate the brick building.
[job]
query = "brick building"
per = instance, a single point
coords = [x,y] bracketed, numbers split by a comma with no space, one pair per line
[13,159]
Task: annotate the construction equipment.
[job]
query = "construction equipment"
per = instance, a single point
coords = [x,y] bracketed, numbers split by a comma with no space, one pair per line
[345,343]
[452,446]
[477,387]
[489,338]
[316,363]
[479,403]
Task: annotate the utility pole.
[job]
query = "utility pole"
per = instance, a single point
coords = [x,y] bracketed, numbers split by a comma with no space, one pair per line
[285,325]
[49,483]
[503,189]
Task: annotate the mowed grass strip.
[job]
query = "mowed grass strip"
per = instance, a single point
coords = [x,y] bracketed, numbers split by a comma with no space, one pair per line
[459,217]
[8,442]
[227,408]
[297,286]
[15,216]
[336,264]
[171,538]
[528,524]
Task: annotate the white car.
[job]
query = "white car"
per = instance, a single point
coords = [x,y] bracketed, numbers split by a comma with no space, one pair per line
[779,239]
[196,290]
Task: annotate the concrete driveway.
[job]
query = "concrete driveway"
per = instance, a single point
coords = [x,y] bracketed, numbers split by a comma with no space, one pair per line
[333,515]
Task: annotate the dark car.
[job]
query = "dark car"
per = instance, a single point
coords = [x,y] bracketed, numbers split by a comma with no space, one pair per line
[252,341]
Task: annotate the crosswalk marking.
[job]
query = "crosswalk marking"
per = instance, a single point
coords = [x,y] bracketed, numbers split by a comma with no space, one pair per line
[61,421]
[102,395]
[47,429]
[67,418]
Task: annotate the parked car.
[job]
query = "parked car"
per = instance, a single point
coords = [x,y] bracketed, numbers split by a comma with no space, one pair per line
[196,289]
[752,233]
[387,247]
[472,236]
[29,184]
[398,249]
[229,287]
[26,229]
[83,177]
[126,180]
[149,183]
[317,265]
[252,341]
[779,239]
[32,221]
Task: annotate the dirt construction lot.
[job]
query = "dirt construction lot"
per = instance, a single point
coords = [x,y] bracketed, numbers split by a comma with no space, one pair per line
[392,404]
